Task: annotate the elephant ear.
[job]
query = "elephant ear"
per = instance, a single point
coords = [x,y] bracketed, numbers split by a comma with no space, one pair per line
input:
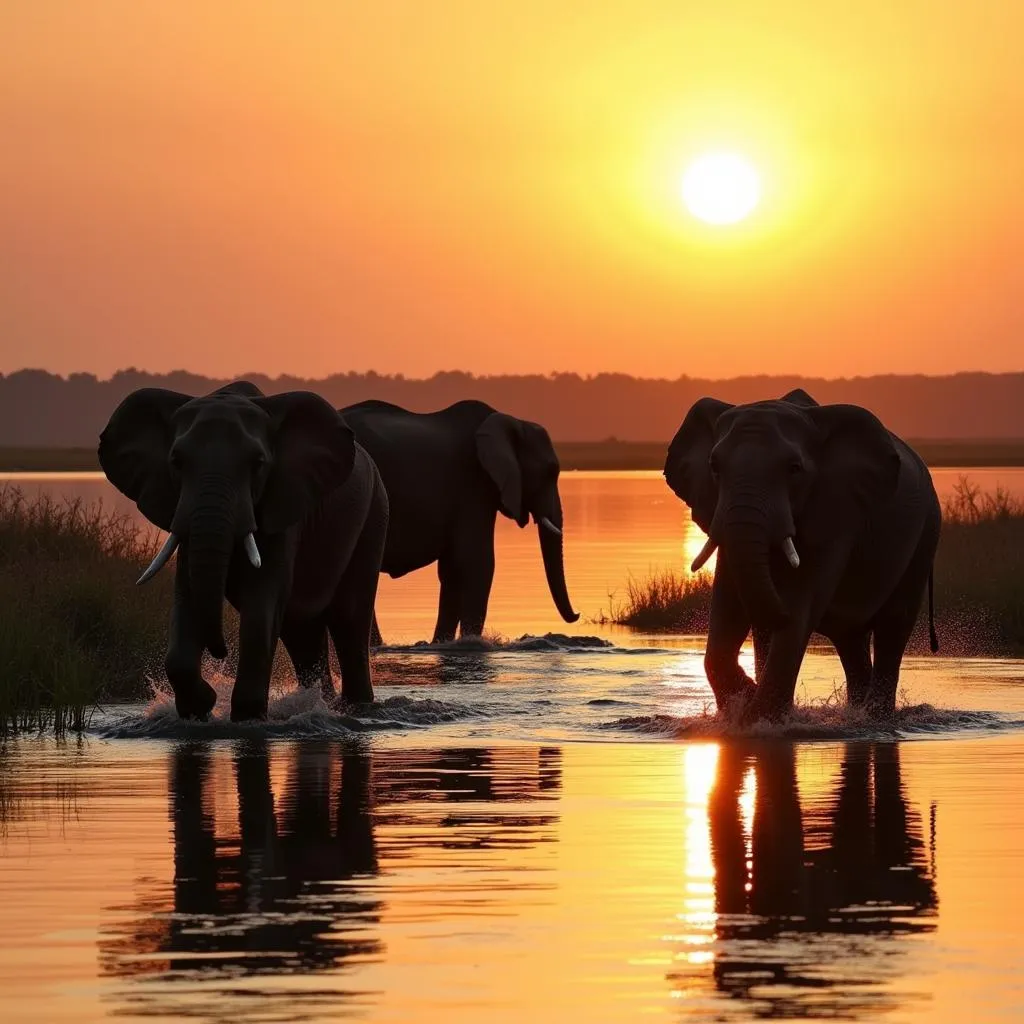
[686,466]
[134,449]
[497,441]
[800,397]
[858,468]
[313,450]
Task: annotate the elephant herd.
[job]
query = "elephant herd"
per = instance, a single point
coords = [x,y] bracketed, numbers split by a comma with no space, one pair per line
[823,520]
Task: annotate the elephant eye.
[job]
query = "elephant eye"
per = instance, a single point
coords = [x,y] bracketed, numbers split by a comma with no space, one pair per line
[796,467]
[175,458]
[713,464]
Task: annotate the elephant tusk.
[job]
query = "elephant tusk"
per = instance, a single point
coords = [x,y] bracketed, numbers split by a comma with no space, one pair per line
[252,551]
[548,525]
[162,557]
[705,553]
[789,550]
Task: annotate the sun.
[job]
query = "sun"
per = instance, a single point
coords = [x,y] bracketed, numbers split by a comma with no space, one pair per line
[721,188]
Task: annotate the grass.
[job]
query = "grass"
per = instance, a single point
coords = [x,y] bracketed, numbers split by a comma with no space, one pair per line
[664,600]
[610,454]
[74,630]
[979,582]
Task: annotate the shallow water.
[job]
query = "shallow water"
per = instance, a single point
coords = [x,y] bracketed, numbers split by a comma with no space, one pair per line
[547,828]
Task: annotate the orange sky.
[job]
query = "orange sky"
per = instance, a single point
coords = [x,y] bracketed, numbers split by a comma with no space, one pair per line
[326,186]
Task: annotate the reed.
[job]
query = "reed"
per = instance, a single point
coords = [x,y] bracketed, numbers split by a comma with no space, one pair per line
[74,629]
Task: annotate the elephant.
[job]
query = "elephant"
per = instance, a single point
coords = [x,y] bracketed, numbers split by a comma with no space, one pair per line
[271,503]
[825,522]
[448,474]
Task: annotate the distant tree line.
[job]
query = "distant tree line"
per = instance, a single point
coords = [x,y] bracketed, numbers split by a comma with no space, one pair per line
[38,408]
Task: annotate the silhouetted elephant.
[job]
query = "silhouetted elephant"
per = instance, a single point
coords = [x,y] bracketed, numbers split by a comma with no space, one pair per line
[855,867]
[448,474]
[824,522]
[271,503]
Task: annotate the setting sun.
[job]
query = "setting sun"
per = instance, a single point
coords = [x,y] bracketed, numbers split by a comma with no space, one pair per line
[721,188]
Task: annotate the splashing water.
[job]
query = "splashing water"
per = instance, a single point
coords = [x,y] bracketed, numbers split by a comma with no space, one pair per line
[559,687]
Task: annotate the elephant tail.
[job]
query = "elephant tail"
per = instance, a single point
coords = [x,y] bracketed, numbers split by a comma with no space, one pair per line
[932,636]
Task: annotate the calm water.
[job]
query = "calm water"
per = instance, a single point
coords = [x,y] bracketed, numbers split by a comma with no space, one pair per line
[544,829]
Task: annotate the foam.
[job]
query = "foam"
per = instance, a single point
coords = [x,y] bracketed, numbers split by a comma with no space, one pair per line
[818,722]
[295,713]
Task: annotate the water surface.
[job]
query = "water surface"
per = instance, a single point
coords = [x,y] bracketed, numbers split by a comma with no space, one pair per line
[550,828]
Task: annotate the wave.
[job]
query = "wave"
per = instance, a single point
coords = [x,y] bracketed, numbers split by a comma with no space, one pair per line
[482,644]
[560,642]
[818,722]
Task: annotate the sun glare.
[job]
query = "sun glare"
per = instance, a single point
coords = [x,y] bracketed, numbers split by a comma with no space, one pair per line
[721,188]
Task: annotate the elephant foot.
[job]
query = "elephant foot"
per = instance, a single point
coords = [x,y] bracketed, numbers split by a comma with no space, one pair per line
[196,702]
[248,709]
[761,709]
[739,694]
[879,705]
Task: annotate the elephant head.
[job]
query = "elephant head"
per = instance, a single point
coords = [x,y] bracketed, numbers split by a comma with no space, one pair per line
[219,471]
[770,479]
[520,459]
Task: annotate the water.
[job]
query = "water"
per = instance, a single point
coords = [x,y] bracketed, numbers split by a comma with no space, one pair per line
[547,828]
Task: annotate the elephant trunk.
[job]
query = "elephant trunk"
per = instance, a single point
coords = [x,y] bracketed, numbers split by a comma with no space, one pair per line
[549,532]
[746,540]
[210,543]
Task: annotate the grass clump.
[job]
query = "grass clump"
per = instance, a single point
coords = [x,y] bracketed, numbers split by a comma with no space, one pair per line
[74,629]
[664,600]
[979,572]
[979,582]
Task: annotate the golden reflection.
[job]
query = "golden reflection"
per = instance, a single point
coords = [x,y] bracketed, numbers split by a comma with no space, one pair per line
[768,876]
[698,914]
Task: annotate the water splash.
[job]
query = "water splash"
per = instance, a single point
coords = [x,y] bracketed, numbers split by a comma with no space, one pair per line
[818,722]
[291,713]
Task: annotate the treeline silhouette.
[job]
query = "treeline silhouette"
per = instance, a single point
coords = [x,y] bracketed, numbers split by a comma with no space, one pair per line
[42,409]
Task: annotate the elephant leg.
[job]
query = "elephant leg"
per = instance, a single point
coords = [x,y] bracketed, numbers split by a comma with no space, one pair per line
[854,650]
[350,616]
[892,630]
[376,640]
[477,575]
[449,601]
[261,615]
[774,696]
[728,626]
[193,695]
[762,645]
[306,644]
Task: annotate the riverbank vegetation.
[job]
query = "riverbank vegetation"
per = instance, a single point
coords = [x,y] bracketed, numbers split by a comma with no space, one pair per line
[979,582]
[74,629]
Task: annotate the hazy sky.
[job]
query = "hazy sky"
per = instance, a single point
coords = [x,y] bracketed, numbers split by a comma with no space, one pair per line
[323,186]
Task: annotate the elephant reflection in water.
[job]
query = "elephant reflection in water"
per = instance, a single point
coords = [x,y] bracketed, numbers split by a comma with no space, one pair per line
[285,892]
[277,897]
[806,914]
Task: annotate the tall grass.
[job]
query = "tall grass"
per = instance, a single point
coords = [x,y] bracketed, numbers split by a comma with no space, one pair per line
[74,629]
[979,582]
[664,600]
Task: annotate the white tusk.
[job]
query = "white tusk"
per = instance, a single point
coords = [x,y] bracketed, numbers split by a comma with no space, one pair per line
[705,553]
[789,550]
[162,557]
[252,551]
[548,525]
